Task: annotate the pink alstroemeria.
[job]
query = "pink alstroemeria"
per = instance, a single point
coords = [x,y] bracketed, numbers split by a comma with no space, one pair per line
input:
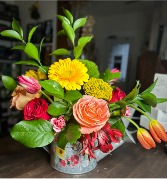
[31,85]
[117,95]
[88,146]
[128,112]
[58,123]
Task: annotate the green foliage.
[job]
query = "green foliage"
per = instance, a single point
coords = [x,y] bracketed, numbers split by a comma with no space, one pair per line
[68,15]
[19,47]
[79,23]
[119,125]
[16,27]
[149,99]
[9,82]
[72,95]
[53,87]
[57,108]
[31,33]
[32,51]
[27,62]
[60,51]
[107,75]
[11,34]
[44,69]
[35,133]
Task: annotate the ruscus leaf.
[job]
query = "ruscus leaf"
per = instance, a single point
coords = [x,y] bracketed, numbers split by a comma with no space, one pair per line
[31,51]
[11,34]
[31,33]
[79,23]
[26,62]
[68,15]
[60,51]
[16,27]
[9,82]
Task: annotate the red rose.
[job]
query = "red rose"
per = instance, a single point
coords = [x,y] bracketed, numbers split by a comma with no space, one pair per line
[36,109]
[117,95]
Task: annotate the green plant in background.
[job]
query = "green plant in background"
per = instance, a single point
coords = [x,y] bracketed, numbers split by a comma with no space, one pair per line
[70,99]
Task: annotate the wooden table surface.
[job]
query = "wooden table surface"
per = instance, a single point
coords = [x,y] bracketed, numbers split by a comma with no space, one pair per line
[129,160]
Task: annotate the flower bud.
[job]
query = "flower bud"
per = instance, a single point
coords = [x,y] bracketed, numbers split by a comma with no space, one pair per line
[145,138]
[31,85]
[157,131]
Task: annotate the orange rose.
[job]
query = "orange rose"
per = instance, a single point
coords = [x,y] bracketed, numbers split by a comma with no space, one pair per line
[21,97]
[91,113]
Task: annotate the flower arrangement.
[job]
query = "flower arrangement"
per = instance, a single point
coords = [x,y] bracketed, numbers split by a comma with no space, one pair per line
[71,101]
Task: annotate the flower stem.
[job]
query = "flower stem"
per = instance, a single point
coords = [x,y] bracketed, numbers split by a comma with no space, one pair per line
[141,111]
[130,120]
[46,96]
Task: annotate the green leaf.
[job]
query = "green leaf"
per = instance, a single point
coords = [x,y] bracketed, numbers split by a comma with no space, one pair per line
[62,140]
[19,47]
[61,32]
[53,87]
[44,69]
[69,31]
[34,133]
[40,47]
[72,95]
[73,133]
[119,125]
[31,51]
[9,82]
[31,33]
[63,19]
[17,28]
[122,104]
[143,105]
[107,75]
[11,34]
[133,93]
[149,89]
[79,23]
[84,40]
[60,51]
[78,51]
[32,63]
[161,100]
[57,108]
[68,15]
[149,98]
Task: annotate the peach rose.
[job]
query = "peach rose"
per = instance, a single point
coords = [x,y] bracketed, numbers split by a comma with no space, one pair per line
[21,97]
[91,113]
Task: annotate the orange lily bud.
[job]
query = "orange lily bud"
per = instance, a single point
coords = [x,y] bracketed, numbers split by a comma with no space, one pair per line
[157,131]
[145,138]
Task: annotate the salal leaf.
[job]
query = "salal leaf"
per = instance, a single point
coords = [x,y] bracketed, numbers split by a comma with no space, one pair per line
[78,51]
[26,62]
[17,27]
[119,125]
[31,51]
[73,133]
[19,47]
[133,93]
[53,87]
[69,31]
[143,105]
[9,82]
[61,51]
[34,133]
[31,33]
[68,15]
[62,140]
[63,19]
[61,32]
[149,89]
[11,34]
[149,98]
[79,23]
[44,69]
[57,108]
[84,40]
[72,95]
[161,100]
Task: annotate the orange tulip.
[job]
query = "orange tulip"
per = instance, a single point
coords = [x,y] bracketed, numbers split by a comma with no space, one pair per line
[145,139]
[157,131]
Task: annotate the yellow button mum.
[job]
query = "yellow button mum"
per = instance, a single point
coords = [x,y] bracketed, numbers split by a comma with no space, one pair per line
[38,75]
[70,74]
[98,88]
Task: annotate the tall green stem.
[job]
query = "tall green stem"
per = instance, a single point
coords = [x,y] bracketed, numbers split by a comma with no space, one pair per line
[141,111]
[46,96]
[130,120]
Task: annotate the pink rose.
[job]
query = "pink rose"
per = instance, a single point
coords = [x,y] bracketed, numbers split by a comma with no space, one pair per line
[117,95]
[36,109]
[58,123]
[115,70]
[91,113]
[31,85]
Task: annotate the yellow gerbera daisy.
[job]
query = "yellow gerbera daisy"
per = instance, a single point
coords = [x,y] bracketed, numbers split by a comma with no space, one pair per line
[98,88]
[38,75]
[60,152]
[70,74]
